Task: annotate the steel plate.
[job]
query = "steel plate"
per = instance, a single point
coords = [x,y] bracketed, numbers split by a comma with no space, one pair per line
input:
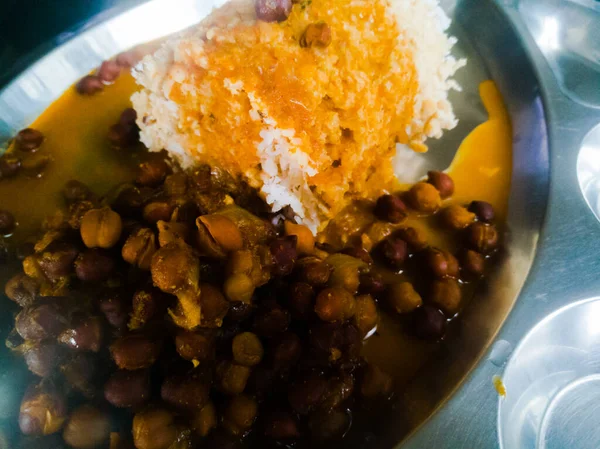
[452,403]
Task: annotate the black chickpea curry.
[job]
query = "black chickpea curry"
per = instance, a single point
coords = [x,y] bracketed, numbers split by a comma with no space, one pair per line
[158,304]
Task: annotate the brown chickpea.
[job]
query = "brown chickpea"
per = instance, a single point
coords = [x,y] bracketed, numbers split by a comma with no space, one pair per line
[22,289]
[135,352]
[175,268]
[240,414]
[346,272]
[239,288]
[316,35]
[186,392]
[157,211]
[152,173]
[375,383]
[176,184]
[127,389]
[442,182]
[482,237]
[424,198]
[456,217]
[204,421]
[415,238]
[139,248]
[94,265]
[57,260]
[40,322]
[472,263]
[87,428]
[85,336]
[214,306]
[441,263]
[247,349]
[7,222]
[42,358]
[307,394]
[32,269]
[154,428]
[101,228]
[194,345]
[127,199]
[447,295]
[89,85]
[391,208]
[43,411]
[273,10]
[403,298]
[109,71]
[366,316]
[232,377]
[29,140]
[335,304]
[281,426]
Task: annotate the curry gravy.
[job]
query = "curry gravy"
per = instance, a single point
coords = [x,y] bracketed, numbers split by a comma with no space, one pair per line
[75,129]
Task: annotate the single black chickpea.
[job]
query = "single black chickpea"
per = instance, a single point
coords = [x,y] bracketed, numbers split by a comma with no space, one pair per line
[335,304]
[442,182]
[390,208]
[447,295]
[403,298]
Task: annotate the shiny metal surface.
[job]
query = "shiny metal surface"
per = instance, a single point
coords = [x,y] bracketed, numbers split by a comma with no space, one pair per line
[566,265]
[554,381]
[568,36]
